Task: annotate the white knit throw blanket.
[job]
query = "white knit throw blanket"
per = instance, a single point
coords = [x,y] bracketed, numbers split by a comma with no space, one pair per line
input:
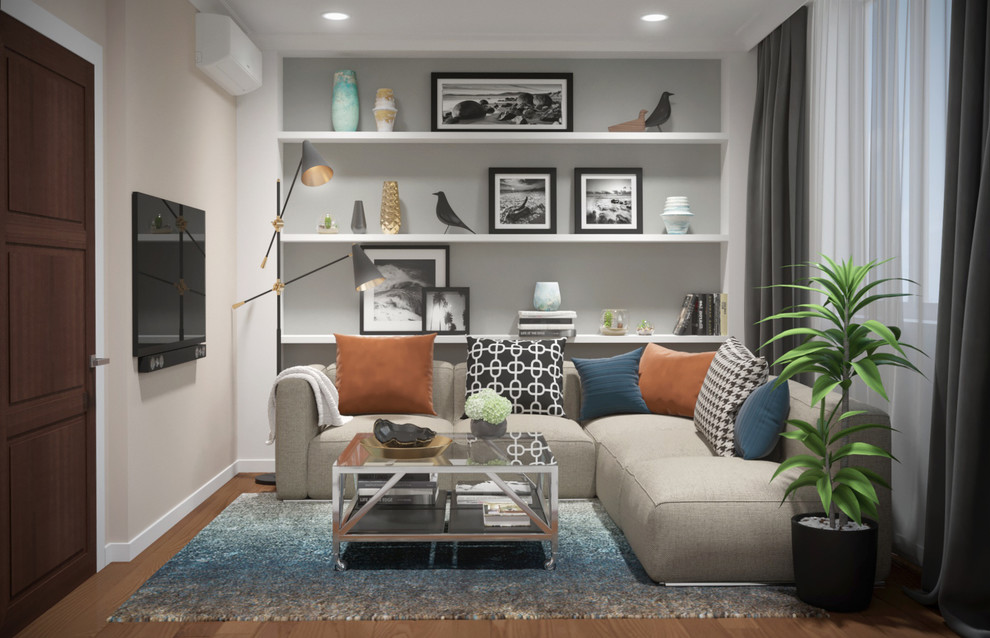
[324,393]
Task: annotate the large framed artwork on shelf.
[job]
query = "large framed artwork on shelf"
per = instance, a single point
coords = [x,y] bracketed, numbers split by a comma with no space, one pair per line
[522,200]
[608,200]
[497,102]
[396,306]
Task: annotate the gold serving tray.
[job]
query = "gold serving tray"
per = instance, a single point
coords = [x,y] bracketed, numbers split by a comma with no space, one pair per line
[375,448]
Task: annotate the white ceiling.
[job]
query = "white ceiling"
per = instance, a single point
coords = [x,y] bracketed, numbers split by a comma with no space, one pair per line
[505,27]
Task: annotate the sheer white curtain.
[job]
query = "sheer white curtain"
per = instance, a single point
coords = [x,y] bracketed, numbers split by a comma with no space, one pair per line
[878,77]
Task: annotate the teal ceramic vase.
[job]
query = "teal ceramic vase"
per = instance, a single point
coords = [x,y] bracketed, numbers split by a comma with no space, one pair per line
[344,109]
[546,296]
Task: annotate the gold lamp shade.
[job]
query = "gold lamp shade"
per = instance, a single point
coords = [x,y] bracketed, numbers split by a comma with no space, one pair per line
[315,170]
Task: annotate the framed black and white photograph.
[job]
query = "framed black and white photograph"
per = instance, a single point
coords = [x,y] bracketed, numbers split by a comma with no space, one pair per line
[522,200]
[502,101]
[396,305]
[608,200]
[446,310]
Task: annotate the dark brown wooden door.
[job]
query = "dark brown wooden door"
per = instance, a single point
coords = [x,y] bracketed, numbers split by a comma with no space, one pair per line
[47,331]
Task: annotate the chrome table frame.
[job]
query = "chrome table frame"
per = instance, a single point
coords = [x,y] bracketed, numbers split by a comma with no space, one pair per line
[542,478]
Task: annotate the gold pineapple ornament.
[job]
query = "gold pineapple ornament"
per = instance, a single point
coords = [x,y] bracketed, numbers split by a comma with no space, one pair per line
[391,217]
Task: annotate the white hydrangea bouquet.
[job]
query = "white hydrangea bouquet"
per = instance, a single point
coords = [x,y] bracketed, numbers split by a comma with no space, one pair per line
[487,405]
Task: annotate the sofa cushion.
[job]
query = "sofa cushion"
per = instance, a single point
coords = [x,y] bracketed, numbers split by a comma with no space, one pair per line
[611,385]
[528,373]
[760,421]
[573,448]
[385,374]
[709,519]
[670,380]
[735,372]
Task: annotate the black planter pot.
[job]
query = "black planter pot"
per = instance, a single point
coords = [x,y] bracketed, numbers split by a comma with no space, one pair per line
[832,569]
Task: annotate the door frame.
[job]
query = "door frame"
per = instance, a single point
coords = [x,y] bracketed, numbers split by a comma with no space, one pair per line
[60,32]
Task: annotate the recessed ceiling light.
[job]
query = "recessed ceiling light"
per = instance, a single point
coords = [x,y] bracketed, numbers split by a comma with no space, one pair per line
[334,15]
[654,17]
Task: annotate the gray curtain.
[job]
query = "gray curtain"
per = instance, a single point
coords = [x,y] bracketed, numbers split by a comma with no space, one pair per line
[956,570]
[777,202]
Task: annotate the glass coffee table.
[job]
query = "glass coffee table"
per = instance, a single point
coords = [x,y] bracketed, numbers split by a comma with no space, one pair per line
[517,460]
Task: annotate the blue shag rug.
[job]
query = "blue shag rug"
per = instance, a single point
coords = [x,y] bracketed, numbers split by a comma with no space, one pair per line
[262,559]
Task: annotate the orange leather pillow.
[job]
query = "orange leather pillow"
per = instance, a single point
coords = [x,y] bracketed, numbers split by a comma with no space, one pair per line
[670,380]
[385,375]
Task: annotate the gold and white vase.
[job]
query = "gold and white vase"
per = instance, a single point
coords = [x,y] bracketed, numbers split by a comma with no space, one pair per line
[385,110]
[391,216]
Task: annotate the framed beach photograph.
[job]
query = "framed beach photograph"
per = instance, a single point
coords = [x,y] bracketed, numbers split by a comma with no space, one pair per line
[608,200]
[522,200]
[502,101]
[446,310]
[395,306]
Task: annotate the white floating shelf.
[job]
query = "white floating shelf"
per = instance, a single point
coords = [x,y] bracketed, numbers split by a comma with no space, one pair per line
[440,238]
[581,338]
[499,137]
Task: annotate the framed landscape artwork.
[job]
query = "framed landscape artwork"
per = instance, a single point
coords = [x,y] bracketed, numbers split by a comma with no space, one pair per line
[608,200]
[446,310]
[522,200]
[396,305]
[498,102]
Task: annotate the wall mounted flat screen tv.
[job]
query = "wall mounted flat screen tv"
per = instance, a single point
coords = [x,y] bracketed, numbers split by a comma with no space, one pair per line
[169,282]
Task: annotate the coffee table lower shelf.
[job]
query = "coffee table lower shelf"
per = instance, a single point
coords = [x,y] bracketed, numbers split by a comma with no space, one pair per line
[440,523]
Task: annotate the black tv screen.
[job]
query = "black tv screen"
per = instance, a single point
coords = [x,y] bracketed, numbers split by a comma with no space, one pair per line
[169,278]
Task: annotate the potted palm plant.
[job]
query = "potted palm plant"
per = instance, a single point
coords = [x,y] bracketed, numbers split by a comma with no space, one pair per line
[835,561]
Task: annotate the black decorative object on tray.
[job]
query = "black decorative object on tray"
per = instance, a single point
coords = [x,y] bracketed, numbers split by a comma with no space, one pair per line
[402,434]
[494,102]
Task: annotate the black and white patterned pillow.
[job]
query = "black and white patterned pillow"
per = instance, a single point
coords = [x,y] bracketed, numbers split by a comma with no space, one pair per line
[734,373]
[528,373]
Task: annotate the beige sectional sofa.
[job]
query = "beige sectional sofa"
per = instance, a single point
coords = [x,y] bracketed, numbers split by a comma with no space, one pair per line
[689,516]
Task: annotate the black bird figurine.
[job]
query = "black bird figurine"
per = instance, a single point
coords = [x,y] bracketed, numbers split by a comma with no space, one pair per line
[661,114]
[447,215]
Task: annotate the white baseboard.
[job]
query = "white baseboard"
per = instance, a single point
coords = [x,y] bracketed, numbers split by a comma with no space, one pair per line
[126,552]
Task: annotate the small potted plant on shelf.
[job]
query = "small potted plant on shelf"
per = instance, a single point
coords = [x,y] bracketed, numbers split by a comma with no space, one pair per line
[835,561]
[644,328]
[488,412]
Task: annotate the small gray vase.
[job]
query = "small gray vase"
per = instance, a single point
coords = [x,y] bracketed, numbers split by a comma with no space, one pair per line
[358,224]
[487,430]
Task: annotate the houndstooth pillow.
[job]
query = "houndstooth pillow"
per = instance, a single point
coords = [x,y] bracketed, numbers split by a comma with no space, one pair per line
[528,373]
[735,372]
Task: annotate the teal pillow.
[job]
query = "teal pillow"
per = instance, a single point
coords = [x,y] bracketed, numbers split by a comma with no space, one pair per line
[611,386]
[761,419]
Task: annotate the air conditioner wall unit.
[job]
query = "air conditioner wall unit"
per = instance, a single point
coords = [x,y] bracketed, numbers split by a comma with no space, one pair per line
[226,54]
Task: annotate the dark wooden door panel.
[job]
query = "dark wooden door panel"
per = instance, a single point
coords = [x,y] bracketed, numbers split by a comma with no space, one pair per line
[46,113]
[47,324]
[46,287]
[48,501]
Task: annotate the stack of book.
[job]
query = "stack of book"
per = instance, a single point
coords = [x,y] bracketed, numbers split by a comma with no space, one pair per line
[504,515]
[468,493]
[412,489]
[703,313]
[550,324]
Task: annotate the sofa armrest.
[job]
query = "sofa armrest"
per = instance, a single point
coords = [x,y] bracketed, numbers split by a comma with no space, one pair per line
[801,409]
[296,415]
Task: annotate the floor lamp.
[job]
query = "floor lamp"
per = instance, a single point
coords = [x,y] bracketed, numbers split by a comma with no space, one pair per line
[315,172]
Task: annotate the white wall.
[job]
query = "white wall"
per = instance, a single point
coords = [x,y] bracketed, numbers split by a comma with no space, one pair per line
[169,131]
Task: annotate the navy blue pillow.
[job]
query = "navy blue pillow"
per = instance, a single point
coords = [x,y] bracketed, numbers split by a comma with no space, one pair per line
[611,386]
[761,419]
